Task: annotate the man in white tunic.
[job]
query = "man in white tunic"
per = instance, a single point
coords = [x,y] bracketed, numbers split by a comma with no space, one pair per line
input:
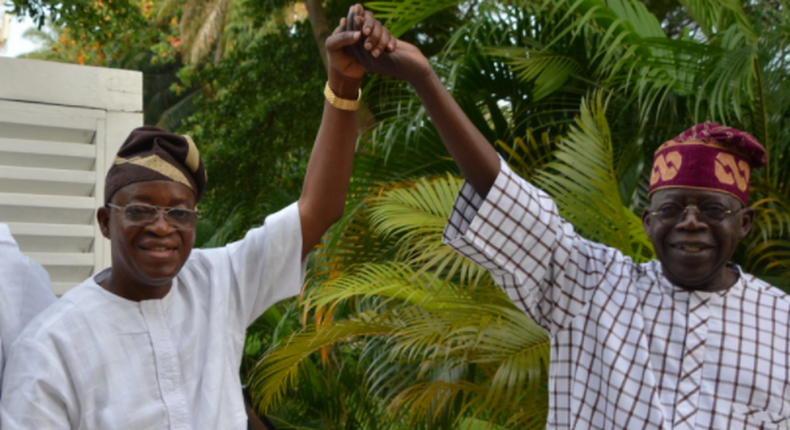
[684,341]
[155,342]
[25,291]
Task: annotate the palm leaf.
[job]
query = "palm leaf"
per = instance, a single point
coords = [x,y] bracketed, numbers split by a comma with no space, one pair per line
[583,183]
[547,71]
[401,16]
[418,214]
[280,367]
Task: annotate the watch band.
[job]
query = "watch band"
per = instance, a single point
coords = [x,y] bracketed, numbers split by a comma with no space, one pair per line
[342,104]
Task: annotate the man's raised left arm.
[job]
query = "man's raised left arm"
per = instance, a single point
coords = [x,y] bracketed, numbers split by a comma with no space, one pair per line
[329,170]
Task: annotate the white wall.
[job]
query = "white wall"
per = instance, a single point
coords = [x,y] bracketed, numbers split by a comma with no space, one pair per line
[60,127]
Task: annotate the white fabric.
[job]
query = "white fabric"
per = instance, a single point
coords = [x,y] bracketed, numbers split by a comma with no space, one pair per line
[97,361]
[24,292]
[628,348]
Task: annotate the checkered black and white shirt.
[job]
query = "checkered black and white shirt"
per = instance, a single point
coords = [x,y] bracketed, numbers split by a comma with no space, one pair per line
[628,348]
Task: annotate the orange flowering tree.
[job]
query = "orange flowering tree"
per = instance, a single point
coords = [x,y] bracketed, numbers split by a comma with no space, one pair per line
[114,34]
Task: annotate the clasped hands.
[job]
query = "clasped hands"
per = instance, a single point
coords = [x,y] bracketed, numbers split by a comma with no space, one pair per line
[362,43]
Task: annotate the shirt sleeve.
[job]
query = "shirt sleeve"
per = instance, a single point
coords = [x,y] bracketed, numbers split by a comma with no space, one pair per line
[35,393]
[267,264]
[516,233]
[25,291]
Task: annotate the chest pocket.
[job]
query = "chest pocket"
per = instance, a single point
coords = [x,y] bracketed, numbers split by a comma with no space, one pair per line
[745,417]
[753,375]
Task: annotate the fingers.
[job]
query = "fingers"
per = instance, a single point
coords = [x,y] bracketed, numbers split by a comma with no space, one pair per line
[341,27]
[339,39]
[352,23]
[384,40]
[378,37]
[369,22]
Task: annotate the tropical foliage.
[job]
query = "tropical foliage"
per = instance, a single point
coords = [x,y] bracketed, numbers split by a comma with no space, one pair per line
[394,330]
[601,85]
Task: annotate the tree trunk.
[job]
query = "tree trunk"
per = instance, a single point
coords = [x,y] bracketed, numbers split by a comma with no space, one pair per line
[321,31]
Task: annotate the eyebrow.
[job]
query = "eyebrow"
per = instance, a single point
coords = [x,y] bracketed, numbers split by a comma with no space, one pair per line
[149,200]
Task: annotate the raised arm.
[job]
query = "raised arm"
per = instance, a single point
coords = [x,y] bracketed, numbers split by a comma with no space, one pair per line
[329,170]
[474,155]
[499,220]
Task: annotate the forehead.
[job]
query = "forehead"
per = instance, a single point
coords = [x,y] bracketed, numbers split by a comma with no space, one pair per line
[157,193]
[686,196]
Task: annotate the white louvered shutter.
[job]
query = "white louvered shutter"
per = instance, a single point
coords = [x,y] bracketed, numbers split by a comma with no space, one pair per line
[60,127]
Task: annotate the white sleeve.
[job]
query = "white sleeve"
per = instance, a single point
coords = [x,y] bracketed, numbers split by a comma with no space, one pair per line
[517,234]
[25,291]
[267,265]
[36,393]
[2,366]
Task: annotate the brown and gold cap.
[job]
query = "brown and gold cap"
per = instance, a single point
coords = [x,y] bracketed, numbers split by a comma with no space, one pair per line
[152,154]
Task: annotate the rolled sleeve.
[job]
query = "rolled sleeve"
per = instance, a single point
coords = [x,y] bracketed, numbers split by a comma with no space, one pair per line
[517,234]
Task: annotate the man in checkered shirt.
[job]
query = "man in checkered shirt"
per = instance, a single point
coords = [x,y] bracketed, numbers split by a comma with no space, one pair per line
[684,341]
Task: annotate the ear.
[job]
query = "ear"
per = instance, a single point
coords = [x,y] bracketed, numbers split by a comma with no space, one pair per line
[747,221]
[103,218]
[646,221]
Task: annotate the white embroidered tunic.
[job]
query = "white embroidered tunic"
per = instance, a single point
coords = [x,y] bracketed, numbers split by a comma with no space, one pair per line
[628,348]
[24,292]
[97,361]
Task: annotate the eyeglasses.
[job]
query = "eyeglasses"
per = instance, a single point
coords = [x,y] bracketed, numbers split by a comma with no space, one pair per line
[139,214]
[671,214]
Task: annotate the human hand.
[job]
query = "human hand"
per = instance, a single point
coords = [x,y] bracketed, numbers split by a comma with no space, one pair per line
[380,53]
[345,72]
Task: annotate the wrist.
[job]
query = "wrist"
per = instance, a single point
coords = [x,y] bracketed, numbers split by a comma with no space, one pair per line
[343,86]
[425,80]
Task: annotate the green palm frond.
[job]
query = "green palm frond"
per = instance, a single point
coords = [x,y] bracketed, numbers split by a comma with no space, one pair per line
[202,25]
[429,400]
[440,345]
[767,254]
[402,15]
[583,183]
[645,23]
[499,336]
[280,367]
[352,241]
[713,16]
[389,280]
[528,156]
[417,215]
[477,424]
[426,205]
[547,71]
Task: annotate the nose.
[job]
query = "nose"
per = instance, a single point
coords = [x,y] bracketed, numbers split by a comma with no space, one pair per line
[691,219]
[160,225]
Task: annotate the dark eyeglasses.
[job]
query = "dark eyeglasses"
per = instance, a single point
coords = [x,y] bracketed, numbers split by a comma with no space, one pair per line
[671,214]
[139,214]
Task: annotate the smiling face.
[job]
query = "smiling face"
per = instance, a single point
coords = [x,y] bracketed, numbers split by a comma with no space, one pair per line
[146,258]
[694,254]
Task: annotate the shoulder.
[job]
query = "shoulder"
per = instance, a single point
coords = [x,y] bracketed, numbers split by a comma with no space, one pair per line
[14,263]
[753,283]
[64,313]
[5,236]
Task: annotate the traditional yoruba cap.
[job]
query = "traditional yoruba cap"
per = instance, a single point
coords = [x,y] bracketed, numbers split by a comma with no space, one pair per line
[152,154]
[708,156]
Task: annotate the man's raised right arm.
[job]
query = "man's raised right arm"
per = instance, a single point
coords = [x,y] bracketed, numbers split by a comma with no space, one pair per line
[499,220]
[476,158]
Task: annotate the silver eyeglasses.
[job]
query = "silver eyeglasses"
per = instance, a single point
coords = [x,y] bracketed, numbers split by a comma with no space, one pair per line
[671,214]
[140,214]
